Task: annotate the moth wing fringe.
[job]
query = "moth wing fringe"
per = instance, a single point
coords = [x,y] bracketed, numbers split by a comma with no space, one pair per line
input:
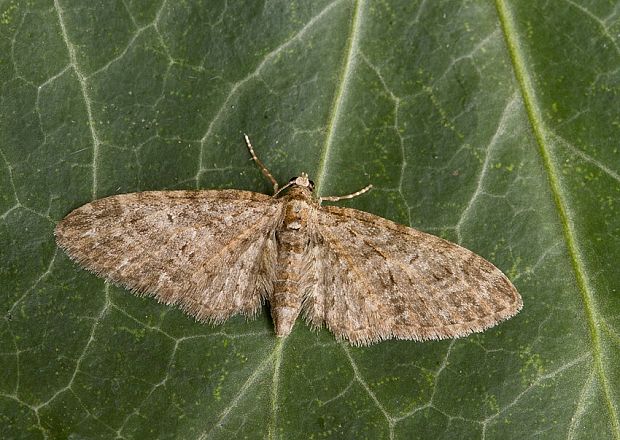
[186,308]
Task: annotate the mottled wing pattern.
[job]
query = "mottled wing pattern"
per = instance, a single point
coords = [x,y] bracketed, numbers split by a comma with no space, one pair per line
[378,280]
[210,252]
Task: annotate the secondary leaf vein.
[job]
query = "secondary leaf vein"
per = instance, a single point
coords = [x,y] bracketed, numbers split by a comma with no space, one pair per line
[84,88]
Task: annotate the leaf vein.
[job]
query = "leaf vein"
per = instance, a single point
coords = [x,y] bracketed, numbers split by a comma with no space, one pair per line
[390,420]
[342,91]
[598,21]
[254,74]
[242,391]
[82,80]
[501,128]
[545,144]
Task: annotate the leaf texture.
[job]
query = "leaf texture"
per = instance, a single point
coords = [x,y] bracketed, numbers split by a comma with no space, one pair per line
[492,124]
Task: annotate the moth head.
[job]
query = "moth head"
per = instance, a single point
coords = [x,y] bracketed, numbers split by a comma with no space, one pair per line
[302,181]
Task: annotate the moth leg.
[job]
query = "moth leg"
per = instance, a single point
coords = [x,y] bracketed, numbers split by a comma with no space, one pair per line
[261,165]
[348,196]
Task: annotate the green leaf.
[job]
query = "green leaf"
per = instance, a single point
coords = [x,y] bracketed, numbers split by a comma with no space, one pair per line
[494,125]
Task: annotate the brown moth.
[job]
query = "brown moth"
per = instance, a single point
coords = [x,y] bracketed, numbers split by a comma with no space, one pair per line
[219,253]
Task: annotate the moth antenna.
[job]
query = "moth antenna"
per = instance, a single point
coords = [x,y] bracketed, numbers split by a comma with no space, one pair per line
[283,188]
[348,196]
[261,165]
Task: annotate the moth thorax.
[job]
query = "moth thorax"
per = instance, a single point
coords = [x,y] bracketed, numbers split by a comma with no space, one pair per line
[296,214]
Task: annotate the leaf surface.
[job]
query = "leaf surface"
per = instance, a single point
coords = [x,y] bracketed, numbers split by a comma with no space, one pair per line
[494,125]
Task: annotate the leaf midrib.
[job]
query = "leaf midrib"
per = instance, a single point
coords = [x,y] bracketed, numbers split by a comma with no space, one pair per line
[342,89]
[340,96]
[534,114]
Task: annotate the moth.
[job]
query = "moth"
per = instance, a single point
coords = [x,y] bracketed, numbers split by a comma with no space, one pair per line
[218,253]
